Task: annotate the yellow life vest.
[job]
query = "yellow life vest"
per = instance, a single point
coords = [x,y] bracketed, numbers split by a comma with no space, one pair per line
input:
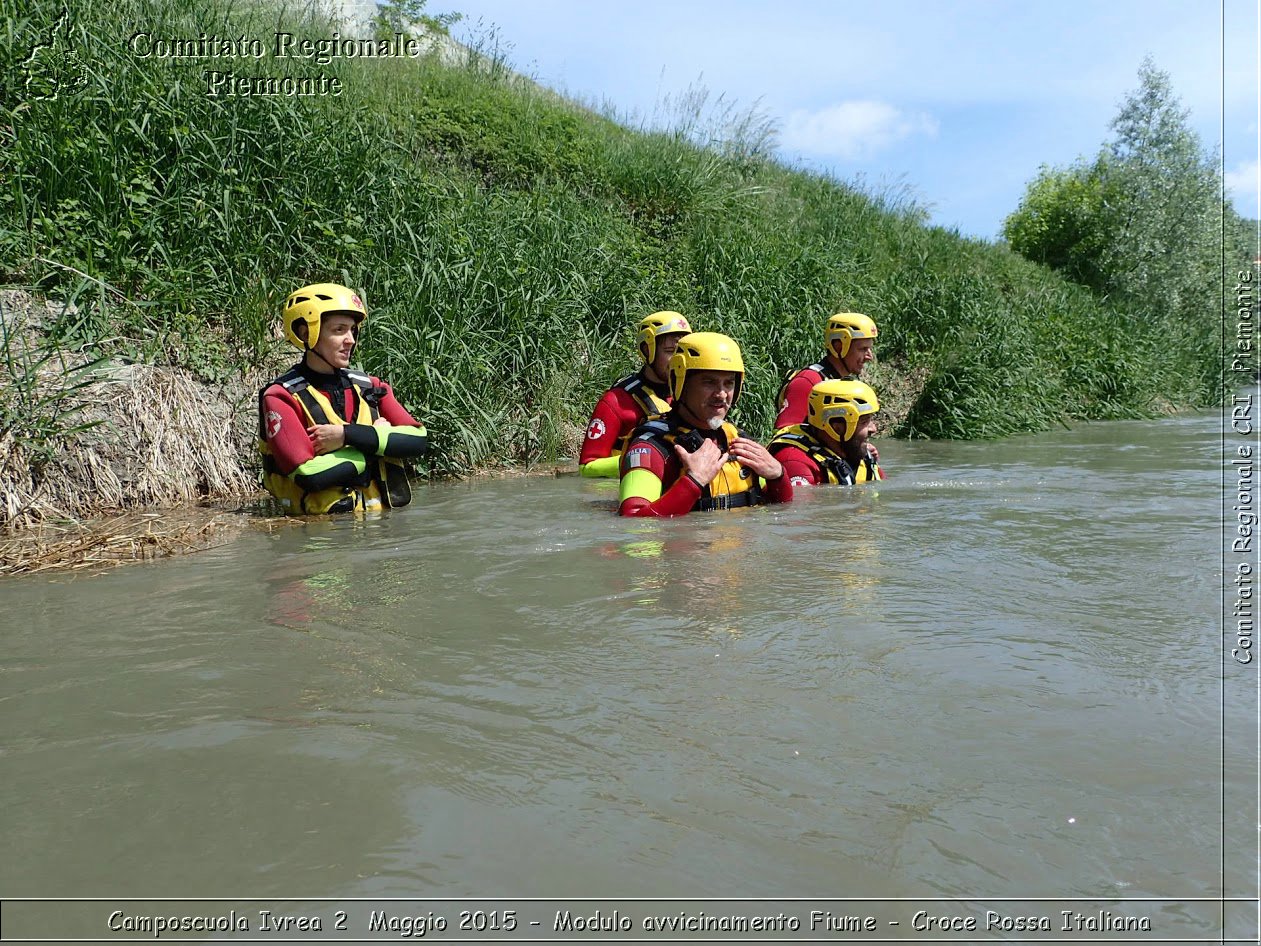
[358,496]
[835,467]
[734,486]
[649,402]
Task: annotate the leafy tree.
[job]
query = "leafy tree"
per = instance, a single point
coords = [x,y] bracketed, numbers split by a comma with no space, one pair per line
[1142,222]
[409,18]
[1165,202]
[1061,224]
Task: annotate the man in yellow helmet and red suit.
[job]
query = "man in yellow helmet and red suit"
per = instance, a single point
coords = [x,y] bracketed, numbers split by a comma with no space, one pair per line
[694,458]
[832,445]
[333,439]
[849,339]
[635,398]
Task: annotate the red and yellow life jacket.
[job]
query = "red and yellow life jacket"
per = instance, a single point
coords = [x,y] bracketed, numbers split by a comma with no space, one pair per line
[834,466]
[649,402]
[362,494]
[734,486]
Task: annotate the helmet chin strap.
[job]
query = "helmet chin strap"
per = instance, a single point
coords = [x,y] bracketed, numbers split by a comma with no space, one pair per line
[853,453]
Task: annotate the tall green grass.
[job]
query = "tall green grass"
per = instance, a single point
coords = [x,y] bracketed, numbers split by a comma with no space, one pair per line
[505,241]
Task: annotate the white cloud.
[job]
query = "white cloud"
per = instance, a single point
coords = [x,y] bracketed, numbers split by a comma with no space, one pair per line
[852,130]
[1242,183]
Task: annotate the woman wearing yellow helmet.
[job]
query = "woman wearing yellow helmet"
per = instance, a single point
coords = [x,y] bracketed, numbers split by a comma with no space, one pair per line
[831,447]
[333,439]
[635,398]
[694,458]
[848,340]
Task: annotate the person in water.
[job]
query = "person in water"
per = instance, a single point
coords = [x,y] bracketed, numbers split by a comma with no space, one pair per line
[832,445]
[694,458]
[333,439]
[635,398]
[849,340]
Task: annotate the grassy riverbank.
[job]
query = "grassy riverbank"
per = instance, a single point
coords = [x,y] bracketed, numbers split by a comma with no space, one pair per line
[504,240]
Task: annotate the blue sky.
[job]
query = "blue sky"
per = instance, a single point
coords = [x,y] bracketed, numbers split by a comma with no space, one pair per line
[959,101]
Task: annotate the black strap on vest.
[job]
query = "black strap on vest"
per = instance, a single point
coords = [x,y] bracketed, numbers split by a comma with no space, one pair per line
[870,464]
[837,467]
[297,383]
[642,393]
[750,497]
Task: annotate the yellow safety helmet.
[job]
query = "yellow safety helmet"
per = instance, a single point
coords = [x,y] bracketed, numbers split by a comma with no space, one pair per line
[847,326]
[311,303]
[657,324]
[834,400]
[705,351]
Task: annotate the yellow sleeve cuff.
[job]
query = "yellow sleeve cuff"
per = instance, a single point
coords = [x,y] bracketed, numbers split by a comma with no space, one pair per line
[640,484]
[602,467]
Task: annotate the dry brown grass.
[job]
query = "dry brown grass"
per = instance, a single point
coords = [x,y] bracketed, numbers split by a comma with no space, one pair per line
[898,389]
[131,437]
[160,438]
[123,537]
[153,435]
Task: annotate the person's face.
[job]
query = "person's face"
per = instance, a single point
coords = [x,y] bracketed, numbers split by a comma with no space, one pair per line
[864,430]
[708,395]
[861,351]
[336,341]
[666,346]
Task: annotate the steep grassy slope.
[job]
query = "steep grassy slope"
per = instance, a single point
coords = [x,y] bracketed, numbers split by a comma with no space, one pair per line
[504,239]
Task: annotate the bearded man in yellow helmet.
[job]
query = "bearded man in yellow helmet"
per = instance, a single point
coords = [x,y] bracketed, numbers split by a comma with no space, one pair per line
[849,339]
[831,447]
[635,398]
[694,458]
[333,439]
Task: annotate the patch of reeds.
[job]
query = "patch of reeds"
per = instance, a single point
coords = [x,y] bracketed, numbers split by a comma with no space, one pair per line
[106,541]
[98,432]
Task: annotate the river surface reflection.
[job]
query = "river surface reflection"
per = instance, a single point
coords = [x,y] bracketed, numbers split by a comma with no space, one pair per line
[998,673]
